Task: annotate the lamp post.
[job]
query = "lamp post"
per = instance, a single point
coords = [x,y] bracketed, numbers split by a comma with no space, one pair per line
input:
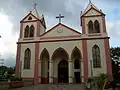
[2,63]
[91,68]
[1,60]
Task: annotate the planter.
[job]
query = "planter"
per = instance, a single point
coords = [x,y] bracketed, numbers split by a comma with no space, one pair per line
[16,84]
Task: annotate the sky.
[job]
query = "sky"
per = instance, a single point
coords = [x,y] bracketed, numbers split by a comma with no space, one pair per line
[12,11]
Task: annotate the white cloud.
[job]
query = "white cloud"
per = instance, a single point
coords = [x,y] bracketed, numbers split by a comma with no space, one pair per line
[113,28]
[109,26]
[117,27]
[7,41]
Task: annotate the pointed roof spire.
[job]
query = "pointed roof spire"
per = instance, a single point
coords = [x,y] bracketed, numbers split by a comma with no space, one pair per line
[89,6]
[35,5]
[34,11]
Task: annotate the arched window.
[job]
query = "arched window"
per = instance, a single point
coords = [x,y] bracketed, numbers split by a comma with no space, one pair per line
[26,32]
[76,64]
[96,57]
[90,27]
[32,31]
[27,57]
[97,27]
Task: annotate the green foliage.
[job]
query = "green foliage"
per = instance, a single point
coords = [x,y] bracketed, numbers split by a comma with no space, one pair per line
[90,80]
[101,79]
[11,71]
[6,73]
[98,81]
[115,52]
[115,56]
[15,79]
[3,69]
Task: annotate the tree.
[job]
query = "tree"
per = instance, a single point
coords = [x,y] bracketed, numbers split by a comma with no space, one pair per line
[6,72]
[11,71]
[115,57]
[115,52]
[2,69]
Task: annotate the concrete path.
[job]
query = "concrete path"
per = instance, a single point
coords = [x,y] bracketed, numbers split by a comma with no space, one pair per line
[53,87]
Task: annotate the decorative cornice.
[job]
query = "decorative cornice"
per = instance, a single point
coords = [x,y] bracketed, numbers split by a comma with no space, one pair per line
[40,41]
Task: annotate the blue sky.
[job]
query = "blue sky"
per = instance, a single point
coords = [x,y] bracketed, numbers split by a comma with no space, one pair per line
[12,11]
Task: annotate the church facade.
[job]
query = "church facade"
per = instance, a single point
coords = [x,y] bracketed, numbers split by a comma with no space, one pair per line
[62,54]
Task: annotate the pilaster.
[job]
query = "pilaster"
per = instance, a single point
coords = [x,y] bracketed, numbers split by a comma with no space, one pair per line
[39,79]
[70,66]
[82,70]
[50,71]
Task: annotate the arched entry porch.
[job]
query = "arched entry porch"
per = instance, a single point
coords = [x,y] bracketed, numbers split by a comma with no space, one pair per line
[76,58]
[60,59]
[44,66]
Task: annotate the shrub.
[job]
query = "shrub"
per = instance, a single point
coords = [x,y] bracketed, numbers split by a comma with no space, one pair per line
[15,79]
[98,81]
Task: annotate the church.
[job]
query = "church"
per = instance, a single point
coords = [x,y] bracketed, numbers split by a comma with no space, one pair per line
[62,54]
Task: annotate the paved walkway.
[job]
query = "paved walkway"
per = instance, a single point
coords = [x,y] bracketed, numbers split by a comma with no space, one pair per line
[53,87]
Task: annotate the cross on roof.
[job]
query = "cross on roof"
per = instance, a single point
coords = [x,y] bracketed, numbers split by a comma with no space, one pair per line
[60,17]
[35,4]
[90,1]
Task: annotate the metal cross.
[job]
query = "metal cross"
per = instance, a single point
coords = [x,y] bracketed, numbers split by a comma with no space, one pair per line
[60,17]
[90,1]
[35,4]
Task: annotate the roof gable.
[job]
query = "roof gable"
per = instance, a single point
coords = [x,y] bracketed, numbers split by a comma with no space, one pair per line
[92,12]
[93,8]
[60,30]
[35,13]
[27,17]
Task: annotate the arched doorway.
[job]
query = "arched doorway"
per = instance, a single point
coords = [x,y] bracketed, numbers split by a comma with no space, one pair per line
[76,58]
[44,57]
[63,71]
[60,59]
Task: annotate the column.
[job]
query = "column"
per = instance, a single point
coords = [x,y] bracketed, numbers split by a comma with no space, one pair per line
[82,70]
[85,58]
[70,72]
[39,69]
[50,72]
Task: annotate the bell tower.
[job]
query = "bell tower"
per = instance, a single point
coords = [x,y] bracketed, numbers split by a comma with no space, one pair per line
[93,20]
[32,26]
[94,28]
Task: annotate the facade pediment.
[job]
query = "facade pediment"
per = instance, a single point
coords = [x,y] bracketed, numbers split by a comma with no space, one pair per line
[93,12]
[60,30]
[29,17]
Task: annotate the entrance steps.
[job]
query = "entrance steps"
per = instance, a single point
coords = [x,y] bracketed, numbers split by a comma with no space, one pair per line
[54,87]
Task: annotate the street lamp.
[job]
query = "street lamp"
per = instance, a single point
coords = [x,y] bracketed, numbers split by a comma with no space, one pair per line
[2,63]
[91,68]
